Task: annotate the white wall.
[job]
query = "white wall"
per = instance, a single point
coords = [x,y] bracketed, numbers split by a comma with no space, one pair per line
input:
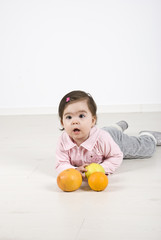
[110,48]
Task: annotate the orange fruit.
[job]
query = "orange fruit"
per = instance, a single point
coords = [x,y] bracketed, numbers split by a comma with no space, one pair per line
[69,180]
[98,181]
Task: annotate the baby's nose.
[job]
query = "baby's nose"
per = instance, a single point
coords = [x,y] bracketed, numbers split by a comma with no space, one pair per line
[75,121]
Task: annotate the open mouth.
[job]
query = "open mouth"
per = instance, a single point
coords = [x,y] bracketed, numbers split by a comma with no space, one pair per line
[76,130]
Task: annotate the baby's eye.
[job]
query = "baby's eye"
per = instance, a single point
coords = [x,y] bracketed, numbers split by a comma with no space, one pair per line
[81,115]
[68,117]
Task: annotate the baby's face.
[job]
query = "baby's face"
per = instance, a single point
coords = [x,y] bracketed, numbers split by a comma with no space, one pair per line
[78,121]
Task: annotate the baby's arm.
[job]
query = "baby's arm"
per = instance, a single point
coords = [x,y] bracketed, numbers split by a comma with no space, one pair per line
[82,170]
[62,160]
[112,162]
[112,154]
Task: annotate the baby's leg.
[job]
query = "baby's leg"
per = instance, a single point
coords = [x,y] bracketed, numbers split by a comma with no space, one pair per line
[133,147]
[121,125]
[155,135]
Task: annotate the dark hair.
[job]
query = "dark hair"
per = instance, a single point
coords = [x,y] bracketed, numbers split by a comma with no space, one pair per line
[75,96]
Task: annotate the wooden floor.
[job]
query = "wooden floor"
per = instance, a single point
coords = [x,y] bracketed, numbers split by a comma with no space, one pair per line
[32,207]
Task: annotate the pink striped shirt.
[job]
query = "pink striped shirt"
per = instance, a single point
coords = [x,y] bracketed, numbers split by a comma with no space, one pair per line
[98,148]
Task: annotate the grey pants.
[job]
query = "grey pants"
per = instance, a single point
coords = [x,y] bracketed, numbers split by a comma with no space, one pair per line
[132,147]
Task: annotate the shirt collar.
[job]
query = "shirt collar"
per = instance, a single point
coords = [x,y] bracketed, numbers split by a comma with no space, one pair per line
[67,142]
[88,144]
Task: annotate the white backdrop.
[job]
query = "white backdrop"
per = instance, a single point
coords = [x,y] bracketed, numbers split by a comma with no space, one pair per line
[109,48]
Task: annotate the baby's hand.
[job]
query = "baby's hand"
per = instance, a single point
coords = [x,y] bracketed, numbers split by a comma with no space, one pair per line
[82,170]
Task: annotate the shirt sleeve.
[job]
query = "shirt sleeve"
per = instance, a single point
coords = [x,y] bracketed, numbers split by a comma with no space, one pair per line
[62,159]
[113,156]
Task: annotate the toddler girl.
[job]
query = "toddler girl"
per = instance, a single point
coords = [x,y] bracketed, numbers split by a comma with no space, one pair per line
[82,143]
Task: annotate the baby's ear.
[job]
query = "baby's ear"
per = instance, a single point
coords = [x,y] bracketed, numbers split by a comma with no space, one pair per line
[61,125]
[94,119]
[61,121]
